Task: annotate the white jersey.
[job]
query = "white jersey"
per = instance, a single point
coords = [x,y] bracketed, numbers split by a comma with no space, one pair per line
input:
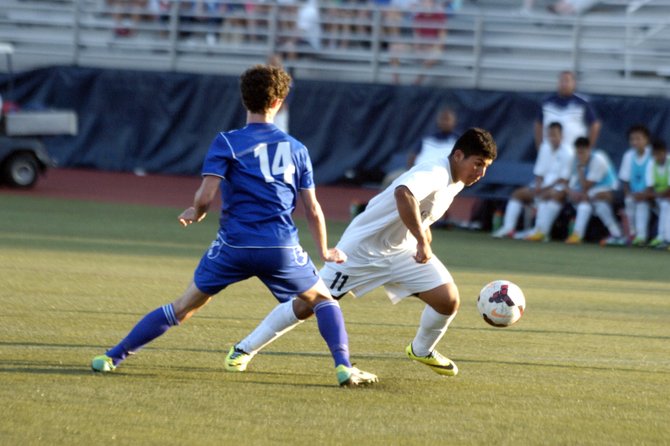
[379,231]
[554,164]
[599,171]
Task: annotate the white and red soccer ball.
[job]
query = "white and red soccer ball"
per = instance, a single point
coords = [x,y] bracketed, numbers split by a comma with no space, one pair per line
[501,303]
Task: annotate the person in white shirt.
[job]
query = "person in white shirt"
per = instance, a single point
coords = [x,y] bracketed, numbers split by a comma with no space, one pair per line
[591,190]
[389,245]
[632,174]
[548,191]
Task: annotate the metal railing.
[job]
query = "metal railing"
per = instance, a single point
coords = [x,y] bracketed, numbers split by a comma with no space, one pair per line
[622,52]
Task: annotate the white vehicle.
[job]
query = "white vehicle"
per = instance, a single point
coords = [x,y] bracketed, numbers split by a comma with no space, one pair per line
[23,157]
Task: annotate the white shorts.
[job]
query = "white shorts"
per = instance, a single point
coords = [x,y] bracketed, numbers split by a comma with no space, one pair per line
[598,189]
[399,274]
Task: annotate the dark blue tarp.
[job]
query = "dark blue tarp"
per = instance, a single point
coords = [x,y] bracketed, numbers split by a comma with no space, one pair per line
[164,122]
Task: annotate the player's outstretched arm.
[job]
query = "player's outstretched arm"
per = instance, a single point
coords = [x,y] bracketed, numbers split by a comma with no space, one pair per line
[317,227]
[201,202]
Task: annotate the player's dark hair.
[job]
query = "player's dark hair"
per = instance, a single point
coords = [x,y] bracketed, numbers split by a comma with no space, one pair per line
[477,142]
[556,125]
[582,141]
[262,85]
[659,145]
[639,128]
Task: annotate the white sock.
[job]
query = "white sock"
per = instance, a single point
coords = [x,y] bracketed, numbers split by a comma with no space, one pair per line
[604,212]
[512,212]
[432,327]
[279,321]
[540,215]
[629,208]
[550,211]
[584,211]
[664,220]
[642,211]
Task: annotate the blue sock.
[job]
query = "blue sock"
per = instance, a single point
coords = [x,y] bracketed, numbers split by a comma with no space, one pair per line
[149,328]
[331,325]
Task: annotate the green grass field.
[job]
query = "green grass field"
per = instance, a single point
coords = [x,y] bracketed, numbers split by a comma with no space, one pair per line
[589,363]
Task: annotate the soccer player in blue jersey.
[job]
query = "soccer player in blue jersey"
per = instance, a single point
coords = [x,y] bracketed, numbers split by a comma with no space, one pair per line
[261,171]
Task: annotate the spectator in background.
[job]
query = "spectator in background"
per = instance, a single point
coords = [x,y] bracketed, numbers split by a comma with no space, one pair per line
[397,33]
[299,29]
[552,171]
[235,23]
[438,145]
[127,14]
[432,148]
[430,33]
[633,176]
[571,7]
[573,112]
[591,190]
[287,38]
[658,182]
[309,24]
[562,7]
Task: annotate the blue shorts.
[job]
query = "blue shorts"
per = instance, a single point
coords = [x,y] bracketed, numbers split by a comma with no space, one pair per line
[285,271]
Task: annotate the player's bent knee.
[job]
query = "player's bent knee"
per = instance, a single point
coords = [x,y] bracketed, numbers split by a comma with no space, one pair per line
[444,299]
[302,309]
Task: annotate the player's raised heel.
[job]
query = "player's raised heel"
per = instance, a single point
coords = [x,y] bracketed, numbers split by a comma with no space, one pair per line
[353,377]
[437,363]
[103,364]
[237,360]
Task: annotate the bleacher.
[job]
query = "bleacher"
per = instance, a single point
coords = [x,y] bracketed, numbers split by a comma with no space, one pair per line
[616,47]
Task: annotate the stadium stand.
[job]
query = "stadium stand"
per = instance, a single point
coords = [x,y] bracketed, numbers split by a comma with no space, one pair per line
[617,46]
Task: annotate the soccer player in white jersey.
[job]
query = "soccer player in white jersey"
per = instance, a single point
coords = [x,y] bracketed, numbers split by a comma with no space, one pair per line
[632,173]
[389,245]
[261,172]
[552,170]
[591,190]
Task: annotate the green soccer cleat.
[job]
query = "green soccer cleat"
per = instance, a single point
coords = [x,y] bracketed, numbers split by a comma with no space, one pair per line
[437,363]
[638,241]
[656,242]
[237,360]
[353,377]
[103,364]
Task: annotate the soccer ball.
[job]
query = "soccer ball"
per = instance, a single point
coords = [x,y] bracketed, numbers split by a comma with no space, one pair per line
[501,303]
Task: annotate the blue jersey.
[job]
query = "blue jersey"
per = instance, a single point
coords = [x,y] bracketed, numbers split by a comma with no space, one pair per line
[574,113]
[262,169]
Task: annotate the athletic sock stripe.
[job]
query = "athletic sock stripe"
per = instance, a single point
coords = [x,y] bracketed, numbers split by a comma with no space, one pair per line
[168,310]
[326,303]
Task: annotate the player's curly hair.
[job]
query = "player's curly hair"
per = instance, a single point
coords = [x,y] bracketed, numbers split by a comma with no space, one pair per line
[477,142]
[261,85]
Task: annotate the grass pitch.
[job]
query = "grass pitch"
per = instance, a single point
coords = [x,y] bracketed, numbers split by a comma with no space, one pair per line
[587,364]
